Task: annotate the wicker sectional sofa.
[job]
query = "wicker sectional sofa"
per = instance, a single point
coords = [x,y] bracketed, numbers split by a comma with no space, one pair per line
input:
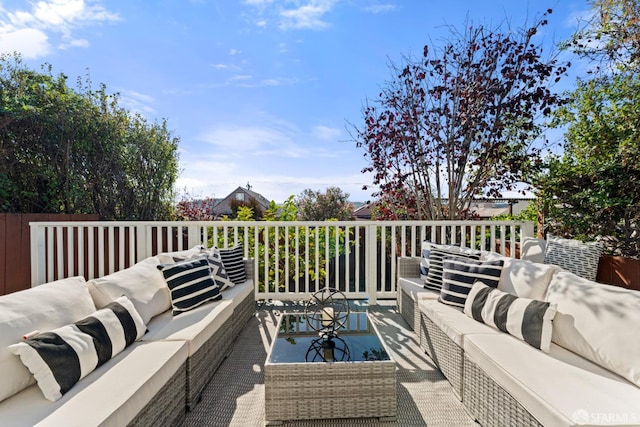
[152,382]
[590,376]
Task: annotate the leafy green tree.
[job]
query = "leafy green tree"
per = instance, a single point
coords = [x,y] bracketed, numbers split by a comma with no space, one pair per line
[318,206]
[76,151]
[460,122]
[592,191]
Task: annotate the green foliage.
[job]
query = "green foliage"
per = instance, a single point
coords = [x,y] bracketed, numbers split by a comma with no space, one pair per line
[529,213]
[76,151]
[318,206]
[285,247]
[593,190]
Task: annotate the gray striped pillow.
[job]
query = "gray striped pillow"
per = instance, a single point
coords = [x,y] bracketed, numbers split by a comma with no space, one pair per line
[527,319]
[60,358]
[436,260]
[573,255]
[459,274]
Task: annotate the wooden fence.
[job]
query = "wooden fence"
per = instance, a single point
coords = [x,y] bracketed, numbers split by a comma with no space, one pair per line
[15,250]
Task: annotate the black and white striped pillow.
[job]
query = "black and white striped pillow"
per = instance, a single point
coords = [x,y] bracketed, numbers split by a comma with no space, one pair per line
[527,319]
[436,261]
[60,358]
[218,272]
[190,284]
[459,274]
[233,263]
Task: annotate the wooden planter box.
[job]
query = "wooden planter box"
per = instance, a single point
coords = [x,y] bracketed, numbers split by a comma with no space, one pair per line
[619,271]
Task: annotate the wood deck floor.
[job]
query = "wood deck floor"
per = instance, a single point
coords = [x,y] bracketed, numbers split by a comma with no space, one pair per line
[235,395]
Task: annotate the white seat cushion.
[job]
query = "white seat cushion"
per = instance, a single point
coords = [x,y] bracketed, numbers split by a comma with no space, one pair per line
[112,395]
[414,287]
[452,321]
[558,388]
[238,293]
[195,326]
[42,309]
[599,322]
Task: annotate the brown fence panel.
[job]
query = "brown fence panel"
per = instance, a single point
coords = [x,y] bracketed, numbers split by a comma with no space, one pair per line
[15,243]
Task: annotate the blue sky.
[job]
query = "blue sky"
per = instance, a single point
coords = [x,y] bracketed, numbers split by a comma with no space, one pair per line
[258,91]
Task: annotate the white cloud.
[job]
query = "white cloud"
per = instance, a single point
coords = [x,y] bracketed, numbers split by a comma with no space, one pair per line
[29,31]
[31,43]
[258,2]
[241,77]
[380,8]
[250,140]
[247,81]
[137,102]
[74,43]
[325,133]
[233,52]
[309,16]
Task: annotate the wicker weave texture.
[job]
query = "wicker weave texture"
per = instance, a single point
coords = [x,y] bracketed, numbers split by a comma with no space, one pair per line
[249,268]
[295,391]
[167,407]
[242,313]
[443,351]
[489,403]
[409,267]
[204,362]
[409,310]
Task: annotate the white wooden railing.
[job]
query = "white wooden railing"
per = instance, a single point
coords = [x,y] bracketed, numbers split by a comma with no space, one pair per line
[292,259]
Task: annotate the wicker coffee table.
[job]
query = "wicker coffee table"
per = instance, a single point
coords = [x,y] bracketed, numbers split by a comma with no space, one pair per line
[309,376]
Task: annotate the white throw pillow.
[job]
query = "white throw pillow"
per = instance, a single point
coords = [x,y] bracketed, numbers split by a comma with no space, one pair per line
[526,279]
[143,283]
[42,308]
[599,322]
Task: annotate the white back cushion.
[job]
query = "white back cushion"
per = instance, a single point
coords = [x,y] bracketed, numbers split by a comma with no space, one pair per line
[599,322]
[524,278]
[533,249]
[41,309]
[143,283]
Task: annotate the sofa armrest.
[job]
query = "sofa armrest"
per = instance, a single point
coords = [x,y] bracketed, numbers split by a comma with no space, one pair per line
[408,266]
[249,268]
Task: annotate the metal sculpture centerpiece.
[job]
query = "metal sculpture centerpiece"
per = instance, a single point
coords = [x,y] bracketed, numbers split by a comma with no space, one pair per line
[326,312]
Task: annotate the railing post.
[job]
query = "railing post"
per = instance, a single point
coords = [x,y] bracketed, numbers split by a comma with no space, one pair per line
[37,255]
[141,241]
[194,237]
[526,230]
[371,270]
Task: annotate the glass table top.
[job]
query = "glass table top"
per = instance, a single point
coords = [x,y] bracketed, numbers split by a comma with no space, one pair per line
[297,342]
